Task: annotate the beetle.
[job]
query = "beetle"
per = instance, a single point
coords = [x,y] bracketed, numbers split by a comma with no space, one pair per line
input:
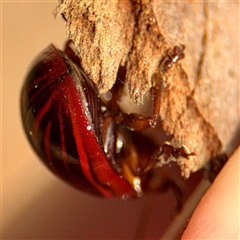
[86,141]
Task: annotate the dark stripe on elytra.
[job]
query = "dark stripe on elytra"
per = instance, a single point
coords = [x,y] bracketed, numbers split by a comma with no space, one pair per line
[74,168]
[39,97]
[93,173]
[74,171]
[36,95]
[86,110]
[98,181]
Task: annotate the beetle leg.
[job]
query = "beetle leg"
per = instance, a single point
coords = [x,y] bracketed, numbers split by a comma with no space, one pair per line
[134,121]
[136,157]
[109,139]
[172,56]
[137,122]
[161,180]
[135,181]
[166,153]
[121,152]
[177,192]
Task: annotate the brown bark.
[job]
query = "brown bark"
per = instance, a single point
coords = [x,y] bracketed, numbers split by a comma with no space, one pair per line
[199,100]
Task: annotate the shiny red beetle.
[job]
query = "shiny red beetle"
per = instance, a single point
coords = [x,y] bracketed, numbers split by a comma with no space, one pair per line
[87,142]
